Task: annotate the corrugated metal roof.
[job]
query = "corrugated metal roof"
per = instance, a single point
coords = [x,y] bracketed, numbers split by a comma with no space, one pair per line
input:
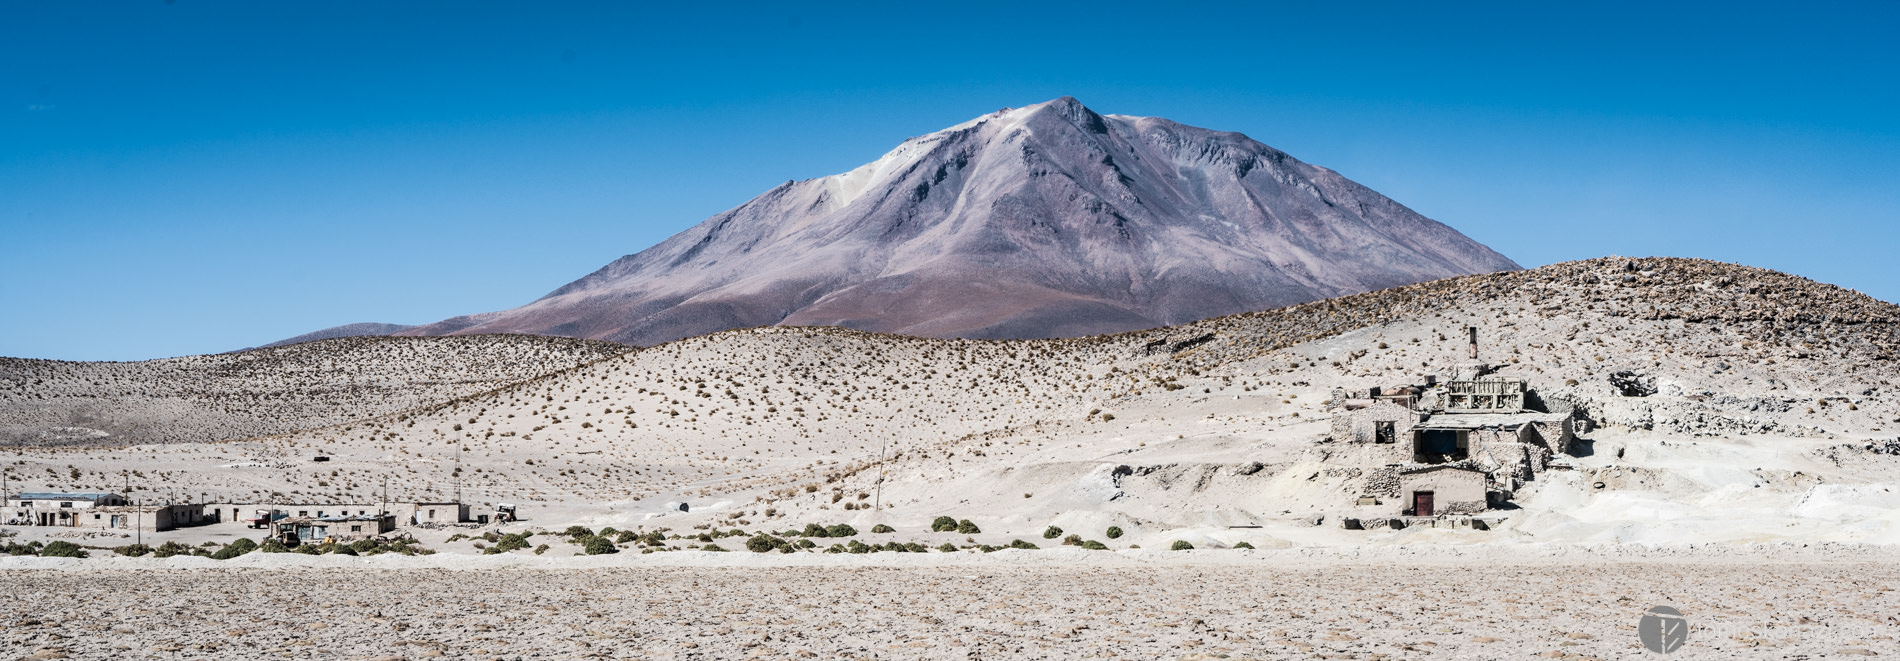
[47,495]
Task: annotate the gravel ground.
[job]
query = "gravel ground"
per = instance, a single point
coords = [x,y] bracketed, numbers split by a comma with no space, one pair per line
[1478,610]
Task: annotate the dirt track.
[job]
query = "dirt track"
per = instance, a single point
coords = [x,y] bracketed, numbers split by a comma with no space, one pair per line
[1341,611]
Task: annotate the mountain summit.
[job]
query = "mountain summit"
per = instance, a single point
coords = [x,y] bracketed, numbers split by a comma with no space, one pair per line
[1043,221]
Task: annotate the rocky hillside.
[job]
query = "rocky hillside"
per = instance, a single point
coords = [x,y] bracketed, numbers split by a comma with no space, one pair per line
[1713,401]
[1044,221]
[346,330]
[264,391]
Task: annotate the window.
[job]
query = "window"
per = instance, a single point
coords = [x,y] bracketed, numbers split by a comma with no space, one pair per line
[356,529]
[66,504]
[1384,431]
[303,513]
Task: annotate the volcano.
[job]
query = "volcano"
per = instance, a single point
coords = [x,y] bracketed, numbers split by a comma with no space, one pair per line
[1044,221]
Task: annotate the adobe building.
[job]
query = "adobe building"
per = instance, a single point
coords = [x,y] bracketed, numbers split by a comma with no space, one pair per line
[1461,446]
[339,528]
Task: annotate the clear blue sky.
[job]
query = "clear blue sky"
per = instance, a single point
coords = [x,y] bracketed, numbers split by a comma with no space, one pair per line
[195,177]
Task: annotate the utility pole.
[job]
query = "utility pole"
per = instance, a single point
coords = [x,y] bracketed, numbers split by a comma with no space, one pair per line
[877,504]
[139,522]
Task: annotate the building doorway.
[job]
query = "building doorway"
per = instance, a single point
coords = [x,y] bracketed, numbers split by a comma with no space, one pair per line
[1421,503]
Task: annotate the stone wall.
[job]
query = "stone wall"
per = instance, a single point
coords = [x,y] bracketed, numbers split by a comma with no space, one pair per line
[1382,482]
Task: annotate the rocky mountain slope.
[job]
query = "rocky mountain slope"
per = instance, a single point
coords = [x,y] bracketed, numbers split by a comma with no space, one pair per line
[1762,420]
[346,330]
[264,391]
[1044,221]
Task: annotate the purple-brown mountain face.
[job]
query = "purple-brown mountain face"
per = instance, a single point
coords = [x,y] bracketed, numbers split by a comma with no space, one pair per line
[1044,221]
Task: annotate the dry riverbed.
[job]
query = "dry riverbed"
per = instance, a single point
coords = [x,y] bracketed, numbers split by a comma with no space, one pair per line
[1476,608]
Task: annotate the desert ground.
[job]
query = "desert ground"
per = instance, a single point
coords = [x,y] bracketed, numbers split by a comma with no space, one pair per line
[1764,602]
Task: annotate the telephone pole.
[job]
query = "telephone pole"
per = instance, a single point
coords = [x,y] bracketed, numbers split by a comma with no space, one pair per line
[458,474]
[877,504]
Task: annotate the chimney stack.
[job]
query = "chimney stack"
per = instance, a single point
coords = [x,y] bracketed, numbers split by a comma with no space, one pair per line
[1474,341]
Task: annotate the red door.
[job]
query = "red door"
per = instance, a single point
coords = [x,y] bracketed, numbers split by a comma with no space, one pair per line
[1421,503]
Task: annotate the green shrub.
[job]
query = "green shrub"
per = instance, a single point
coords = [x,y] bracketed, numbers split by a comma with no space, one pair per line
[608,531]
[943,524]
[881,528]
[835,548]
[237,547]
[1181,545]
[857,547]
[1114,532]
[712,547]
[512,541]
[597,545]
[342,549]
[1093,545]
[623,537]
[842,530]
[365,546]
[166,550]
[133,550]
[272,545]
[62,549]
[578,531]
[966,527]
[1243,545]
[1051,532]
[948,548]
[1020,544]
[1072,540]
[914,547]
[805,544]
[538,550]
[815,530]
[309,549]
[762,543]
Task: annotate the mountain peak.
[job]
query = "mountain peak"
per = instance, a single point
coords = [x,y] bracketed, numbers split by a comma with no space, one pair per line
[1040,221]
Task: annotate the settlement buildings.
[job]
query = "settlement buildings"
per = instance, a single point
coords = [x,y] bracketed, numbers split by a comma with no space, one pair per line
[1461,446]
[97,510]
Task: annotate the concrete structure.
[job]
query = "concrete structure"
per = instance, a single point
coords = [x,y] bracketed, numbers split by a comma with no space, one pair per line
[429,513]
[260,514]
[155,518]
[315,530]
[55,509]
[1439,490]
[1465,444]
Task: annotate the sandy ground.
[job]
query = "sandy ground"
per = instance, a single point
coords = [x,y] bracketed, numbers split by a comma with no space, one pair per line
[1556,602]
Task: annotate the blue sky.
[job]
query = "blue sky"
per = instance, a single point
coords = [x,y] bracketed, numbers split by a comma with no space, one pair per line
[194,177]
